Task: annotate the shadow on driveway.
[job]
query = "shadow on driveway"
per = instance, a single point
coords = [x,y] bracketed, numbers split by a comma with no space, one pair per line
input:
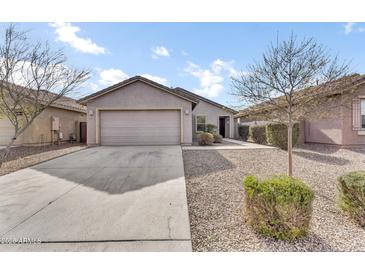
[117,170]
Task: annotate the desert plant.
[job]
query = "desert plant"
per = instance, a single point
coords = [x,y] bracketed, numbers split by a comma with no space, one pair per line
[258,134]
[205,139]
[217,138]
[279,207]
[243,131]
[288,66]
[352,195]
[211,128]
[277,135]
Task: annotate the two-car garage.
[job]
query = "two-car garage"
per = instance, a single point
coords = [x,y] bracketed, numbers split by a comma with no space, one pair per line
[140,127]
[139,111]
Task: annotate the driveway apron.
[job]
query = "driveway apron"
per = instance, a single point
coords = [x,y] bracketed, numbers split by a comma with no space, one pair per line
[102,198]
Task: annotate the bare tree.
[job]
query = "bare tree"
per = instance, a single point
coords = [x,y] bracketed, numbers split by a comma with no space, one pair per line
[292,79]
[32,77]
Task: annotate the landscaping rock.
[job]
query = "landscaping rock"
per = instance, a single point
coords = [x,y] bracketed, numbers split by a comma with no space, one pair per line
[216,198]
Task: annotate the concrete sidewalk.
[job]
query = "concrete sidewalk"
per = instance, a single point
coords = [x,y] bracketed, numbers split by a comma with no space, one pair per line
[99,199]
[228,144]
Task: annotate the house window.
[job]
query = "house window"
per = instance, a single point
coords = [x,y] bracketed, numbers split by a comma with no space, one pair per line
[362,107]
[201,123]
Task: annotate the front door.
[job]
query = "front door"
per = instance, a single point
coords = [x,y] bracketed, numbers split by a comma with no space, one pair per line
[222,126]
[83,133]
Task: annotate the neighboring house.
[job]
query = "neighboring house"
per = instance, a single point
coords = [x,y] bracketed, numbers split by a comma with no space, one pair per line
[65,116]
[343,125]
[139,111]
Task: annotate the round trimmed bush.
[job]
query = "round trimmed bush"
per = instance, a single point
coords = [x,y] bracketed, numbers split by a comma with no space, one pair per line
[277,135]
[279,207]
[243,131]
[258,134]
[205,139]
[352,195]
[217,138]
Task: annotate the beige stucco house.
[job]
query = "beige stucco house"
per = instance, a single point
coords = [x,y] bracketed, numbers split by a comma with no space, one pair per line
[65,115]
[139,111]
[343,125]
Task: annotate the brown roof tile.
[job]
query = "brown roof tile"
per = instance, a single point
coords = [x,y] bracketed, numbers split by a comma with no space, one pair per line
[332,88]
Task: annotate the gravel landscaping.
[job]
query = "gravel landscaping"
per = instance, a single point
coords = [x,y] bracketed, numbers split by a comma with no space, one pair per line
[215,197]
[25,156]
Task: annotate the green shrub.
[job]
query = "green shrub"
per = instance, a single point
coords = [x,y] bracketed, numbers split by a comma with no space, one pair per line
[243,131]
[211,128]
[258,134]
[205,139]
[352,195]
[217,138]
[279,207]
[277,135]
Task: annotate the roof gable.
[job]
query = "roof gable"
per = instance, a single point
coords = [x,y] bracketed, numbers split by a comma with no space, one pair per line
[129,81]
[201,98]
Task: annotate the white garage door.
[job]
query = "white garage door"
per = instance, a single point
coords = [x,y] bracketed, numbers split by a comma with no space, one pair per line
[137,127]
[6,131]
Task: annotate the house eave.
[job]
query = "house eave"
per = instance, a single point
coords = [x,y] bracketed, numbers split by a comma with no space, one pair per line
[129,81]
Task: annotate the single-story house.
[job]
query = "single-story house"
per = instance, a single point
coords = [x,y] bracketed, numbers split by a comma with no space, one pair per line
[65,116]
[139,111]
[343,125]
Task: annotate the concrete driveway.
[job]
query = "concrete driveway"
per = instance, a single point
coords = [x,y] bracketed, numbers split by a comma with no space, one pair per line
[99,199]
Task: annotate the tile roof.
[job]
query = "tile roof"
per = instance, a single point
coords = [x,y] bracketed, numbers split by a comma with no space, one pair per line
[64,102]
[180,92]
[201,98]
[329,89]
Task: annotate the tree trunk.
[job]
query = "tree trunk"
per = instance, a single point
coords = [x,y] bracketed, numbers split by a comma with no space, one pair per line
[290,148]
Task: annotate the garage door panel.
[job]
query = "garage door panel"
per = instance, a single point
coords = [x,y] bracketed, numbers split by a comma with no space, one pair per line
[120,131]
[126,127]
[132,124]
[120,140]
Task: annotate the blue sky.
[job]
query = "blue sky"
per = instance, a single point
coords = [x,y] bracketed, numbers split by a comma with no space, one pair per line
[200,57]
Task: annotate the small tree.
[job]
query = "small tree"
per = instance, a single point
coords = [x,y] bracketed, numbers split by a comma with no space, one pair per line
[292,80]
[32,77]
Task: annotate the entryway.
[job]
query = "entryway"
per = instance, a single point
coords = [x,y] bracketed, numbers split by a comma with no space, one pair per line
[224,126]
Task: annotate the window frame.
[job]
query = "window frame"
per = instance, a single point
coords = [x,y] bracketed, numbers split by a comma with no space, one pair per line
[196,122]
[362,101]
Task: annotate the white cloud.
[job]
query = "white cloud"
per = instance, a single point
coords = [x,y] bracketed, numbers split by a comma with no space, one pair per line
[111,76]
[349,27]
[211,80]
[67,33]
[160,80]
[184,53]
[160,52]
[108,77]
[226,66]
